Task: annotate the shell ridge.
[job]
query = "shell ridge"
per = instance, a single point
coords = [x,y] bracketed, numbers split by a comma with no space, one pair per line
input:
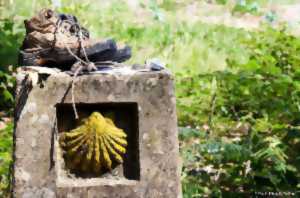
[106,154]
[90,148]
[112,150]
[75,142]
[75,148]
[117,132]
[118,140]
[97,165]
[116,145]
[106,157]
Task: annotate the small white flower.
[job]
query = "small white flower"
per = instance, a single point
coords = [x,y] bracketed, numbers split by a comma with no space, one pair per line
[248,167]
[205,127]
[209,169]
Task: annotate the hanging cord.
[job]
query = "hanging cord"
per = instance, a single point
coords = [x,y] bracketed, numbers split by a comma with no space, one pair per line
[82,63]
[72,91]
[81,44]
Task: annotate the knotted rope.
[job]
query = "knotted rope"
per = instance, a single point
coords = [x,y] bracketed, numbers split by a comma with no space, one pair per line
[82,63]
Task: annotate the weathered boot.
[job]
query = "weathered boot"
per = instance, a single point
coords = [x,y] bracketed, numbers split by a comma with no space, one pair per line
[58,40]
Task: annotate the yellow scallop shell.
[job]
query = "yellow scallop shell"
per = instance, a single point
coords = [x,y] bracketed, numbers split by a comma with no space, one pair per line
[94,146]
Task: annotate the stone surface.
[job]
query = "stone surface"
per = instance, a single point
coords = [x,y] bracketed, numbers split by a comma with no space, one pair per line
[38,162]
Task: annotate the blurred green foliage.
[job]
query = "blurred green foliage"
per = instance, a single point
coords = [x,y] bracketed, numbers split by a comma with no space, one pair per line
[10,39]
[250,113]
[246,6]
[237,91]
[7,82]
[5,159]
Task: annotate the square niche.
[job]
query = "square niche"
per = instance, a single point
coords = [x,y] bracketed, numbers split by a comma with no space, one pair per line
[125,116]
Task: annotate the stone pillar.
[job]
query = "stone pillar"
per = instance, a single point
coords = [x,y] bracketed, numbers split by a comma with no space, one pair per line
[144,104]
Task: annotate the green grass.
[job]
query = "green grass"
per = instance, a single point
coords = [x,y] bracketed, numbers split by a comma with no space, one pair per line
[5,159]
[183,46]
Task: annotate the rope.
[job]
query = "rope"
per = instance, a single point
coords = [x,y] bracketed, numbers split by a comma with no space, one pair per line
[72,91]
[83,49]
[85,63]
[80,43]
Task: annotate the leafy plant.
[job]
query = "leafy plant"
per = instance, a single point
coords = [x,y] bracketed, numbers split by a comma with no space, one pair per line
[5,160]
[6,90]
[10,41]
[250,113]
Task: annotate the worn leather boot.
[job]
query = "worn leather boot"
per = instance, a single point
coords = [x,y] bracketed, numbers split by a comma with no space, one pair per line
[58,40]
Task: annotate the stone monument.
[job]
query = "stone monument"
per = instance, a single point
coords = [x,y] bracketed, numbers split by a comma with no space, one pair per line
[143,104]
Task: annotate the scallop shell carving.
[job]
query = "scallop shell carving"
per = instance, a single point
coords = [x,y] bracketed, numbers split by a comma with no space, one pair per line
[94,146]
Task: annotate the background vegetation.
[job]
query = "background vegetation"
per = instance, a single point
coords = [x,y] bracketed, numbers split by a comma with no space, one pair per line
[237,91]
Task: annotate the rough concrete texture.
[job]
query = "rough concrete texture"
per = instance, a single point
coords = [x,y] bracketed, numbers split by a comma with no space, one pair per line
[37,165]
